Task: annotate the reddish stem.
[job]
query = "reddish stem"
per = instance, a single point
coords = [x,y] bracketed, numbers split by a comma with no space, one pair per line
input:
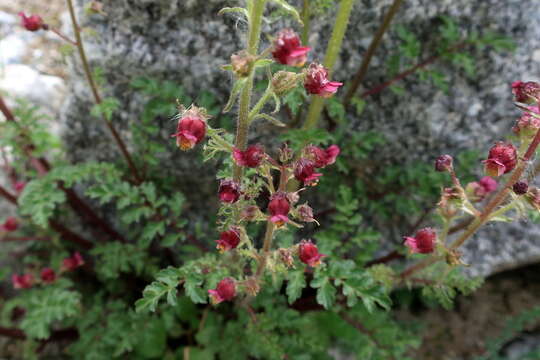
[64,37]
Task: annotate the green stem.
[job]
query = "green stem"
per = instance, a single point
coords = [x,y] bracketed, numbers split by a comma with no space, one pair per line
[256,10]
[332,53]
[263,100]
[306,19]
[501,211]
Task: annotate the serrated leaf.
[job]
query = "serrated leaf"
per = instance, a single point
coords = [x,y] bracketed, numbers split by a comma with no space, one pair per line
[290,9]
[296,282]
[194,290]
[326,292]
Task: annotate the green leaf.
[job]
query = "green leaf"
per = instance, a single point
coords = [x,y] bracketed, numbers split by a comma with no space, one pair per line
[150,231]
[290,9]
[165,285]
[296,282]
[106,109]
[269,118]
[326,292]
[194,289]
[237,88]
[240,10]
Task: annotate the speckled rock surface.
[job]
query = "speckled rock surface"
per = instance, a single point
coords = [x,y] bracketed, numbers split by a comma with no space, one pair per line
[186,42]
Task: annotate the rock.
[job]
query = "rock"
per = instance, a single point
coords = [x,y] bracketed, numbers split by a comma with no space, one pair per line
[186,43]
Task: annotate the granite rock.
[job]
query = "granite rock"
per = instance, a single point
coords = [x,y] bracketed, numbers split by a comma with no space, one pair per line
[186,42]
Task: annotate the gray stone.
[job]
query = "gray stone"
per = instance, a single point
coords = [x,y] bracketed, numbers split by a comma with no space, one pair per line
[186,42]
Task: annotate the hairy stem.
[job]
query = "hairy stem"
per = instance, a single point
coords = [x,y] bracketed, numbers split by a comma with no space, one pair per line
[306,19]
[375,42]
[332,53]
[256,10]
[95,92]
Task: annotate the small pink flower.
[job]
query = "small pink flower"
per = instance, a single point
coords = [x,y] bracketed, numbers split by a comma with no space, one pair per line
[229,191]
[323,157]
[24,281]
[19,186]
[191,128]
[278,208]
[288,50]
[423,242]
[228,240]
[73,262]
[481,188]
[316,81]
[11,224]
[33,22]
[48,275]
[526,92]
[251,157]
[224,291]
[304,171]
[309,254]
[488,183]
[502,159]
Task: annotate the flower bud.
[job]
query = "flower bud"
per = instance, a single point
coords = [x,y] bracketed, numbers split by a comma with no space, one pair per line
[526,92]
[453,258]
[278,208]
[73,262]
[224,291]
[533,197]
[423,242]
[501,160]
[229,191]
[252,286]
[443,163]
[451,201]
[242,63]
[19,186]
[24,281]
[48,275]
[283,82]
[527,125]
[322,157]
[251,157]
[228,239]
[285,154]
[11,224]
[33,22]
[288,50]
[286,257]
[304,171]
[520,187]
[191,128]
[316,81]
[305,212]
[479,189]
[250,213]
[309,254]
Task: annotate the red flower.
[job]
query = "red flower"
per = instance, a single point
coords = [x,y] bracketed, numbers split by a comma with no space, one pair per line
[304,171]
[229,191]
[501,160]
[288,49]
[48,275]
[19,186]
[33,22]
[323,157]
[423,242]
[443,163]
[278,208]
[224,291]
[11,224]
[251,157]
[526,92]
[24,281]
[309,254]
[73,262]
[316,81]
[191,128]
[228,239]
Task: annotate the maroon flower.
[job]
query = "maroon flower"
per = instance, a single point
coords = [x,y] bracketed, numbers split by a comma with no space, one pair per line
[423,242]
[288,50]
[19,186]
[304,171]
[528,124]
[11,224]
[48,275]
[520,187]
[224,291]
[443,163]
[229,191]
[316,81]
[309,254]
[501,160]
[482,187]
[278,208]
[24,281]
[526,92]
[323,157]
[228,240]
[191,128]
[251,157]
[73,262]
[33,22]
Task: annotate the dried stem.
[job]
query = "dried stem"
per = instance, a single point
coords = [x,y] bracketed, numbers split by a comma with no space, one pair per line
[375,42]
[63,37]
[95,93]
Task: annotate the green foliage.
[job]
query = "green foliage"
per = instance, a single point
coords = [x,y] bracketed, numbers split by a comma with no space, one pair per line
[299,138]
[115,258]
[106,108]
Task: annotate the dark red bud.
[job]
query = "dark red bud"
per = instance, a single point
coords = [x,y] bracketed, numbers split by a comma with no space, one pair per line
[228,239]
[229,191]
[288,50]
[501,160]
[520,187]
[278,208]
[423,242]
[251,157]
[309,253]
[33,22]
[443,163]
[11,224]
[48,275]
[224,291]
